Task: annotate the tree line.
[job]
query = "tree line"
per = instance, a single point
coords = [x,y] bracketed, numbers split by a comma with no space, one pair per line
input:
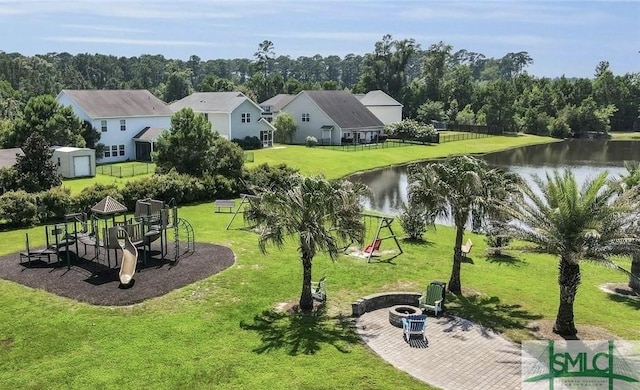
[435,83]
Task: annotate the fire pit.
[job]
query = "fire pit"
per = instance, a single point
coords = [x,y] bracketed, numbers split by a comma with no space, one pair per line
[397,313]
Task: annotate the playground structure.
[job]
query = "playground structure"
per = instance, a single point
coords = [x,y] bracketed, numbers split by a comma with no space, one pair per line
[383,225]
[108,228]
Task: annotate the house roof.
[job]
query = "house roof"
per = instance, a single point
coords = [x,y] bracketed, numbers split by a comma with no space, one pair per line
[108,206]
[377,98]
[8,157]
[148,134]
[278,101]
[119,103]
[211,102]
[344,109]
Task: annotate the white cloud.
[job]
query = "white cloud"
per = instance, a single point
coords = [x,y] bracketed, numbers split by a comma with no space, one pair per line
[335,36]
[130,41]
[103,28]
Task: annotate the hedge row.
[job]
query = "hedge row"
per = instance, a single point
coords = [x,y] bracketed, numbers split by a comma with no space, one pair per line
[19,208]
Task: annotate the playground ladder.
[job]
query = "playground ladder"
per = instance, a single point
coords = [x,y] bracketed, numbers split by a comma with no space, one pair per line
[190,237]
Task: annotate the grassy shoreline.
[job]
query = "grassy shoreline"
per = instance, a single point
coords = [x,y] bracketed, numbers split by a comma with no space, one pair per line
[222,331]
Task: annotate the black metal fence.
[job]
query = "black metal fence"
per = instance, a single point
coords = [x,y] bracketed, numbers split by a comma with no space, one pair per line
[388,144]
[126,170]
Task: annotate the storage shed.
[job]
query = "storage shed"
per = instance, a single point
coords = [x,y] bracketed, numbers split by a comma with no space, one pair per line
[74,162]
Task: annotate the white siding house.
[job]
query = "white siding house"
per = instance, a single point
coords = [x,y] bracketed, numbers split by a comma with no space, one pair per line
[333,117]
[383,106]
[231,114]
[119,115]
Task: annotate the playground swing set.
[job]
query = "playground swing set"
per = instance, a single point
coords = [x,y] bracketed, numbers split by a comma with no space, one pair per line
[383,226]
[107,228]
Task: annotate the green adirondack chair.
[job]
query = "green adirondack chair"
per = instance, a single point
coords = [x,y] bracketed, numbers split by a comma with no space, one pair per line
[432,299]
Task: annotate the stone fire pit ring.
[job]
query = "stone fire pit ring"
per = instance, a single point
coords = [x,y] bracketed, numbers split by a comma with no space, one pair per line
[398,312]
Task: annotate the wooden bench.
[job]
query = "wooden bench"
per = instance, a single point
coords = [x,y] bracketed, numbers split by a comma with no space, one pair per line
[224,204]
[319,290]
[466,248]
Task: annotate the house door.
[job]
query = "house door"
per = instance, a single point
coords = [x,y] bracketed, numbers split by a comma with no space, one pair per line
[356,137]
[267,138]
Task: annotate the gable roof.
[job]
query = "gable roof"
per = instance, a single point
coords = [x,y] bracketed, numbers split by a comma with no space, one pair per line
[211,102]
[344,109]
[8,157]
[378,98]
[118,103]
[277,102]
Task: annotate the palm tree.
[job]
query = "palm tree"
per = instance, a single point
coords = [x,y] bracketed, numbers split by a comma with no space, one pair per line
[321,214]
[631,181]
[455,188]
[575,223]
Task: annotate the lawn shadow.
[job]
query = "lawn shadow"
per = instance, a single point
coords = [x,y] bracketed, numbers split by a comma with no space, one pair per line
[493,315]
[505,259]
[633,302]
[302,333]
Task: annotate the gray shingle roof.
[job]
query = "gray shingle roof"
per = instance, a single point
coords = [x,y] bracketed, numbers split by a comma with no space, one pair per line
[118,103]
[210,101]
[277,102]
[149,134]
[8,157]
[345,109]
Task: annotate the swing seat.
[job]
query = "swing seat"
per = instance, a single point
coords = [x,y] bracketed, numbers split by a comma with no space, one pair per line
[374,246]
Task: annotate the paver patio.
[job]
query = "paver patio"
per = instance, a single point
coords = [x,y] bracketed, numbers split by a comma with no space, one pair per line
[460,354]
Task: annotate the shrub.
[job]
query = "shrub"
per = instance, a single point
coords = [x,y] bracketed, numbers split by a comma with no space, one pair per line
[89,196]
[8,179]
[311,141]
[410,129]
[265,176]
[18,208]
[248,143]
[414,222]
[54,204]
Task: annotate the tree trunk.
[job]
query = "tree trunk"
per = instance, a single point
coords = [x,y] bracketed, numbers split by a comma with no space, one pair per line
[634,283]
[306,299]
[568,280]
[455,285]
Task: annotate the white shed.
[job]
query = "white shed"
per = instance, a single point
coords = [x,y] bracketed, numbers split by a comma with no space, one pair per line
[74,162]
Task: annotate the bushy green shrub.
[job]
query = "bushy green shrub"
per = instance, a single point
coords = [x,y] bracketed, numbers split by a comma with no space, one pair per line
[311,141]
[89,196]
[414,222]
[410,129]
[8,179]
[267,176]
[248,143]
[18,208]
[54,204]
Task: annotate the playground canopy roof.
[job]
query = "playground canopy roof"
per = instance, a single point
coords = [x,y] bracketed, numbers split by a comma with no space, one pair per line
[108,206]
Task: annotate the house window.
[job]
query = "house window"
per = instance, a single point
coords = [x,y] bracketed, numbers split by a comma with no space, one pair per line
[206,115]
[123,125]
[114,150]
[245,117]
[306,117]
[121,147]
[103,125]
[107,151]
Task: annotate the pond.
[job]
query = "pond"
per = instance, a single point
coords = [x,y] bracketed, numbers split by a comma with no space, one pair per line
[584,158]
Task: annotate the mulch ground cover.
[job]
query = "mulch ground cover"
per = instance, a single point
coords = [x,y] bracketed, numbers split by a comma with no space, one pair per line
[91,280]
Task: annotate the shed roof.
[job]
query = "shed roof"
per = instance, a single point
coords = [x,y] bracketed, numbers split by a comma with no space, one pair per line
[148,134]
[119,103]
[108,206]
[344,109]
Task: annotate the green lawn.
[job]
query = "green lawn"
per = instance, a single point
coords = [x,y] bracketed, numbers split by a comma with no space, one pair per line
[222,333]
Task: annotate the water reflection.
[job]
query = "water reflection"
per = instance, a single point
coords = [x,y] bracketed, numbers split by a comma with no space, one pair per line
[585,159]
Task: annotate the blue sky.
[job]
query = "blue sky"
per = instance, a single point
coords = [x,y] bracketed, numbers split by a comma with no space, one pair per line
[562,37]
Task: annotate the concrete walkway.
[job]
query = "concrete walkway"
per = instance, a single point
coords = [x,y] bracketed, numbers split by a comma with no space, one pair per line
[459,355]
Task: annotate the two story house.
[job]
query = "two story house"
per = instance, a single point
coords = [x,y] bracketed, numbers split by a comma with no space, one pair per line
[333,118]
[122,117]
[232,114]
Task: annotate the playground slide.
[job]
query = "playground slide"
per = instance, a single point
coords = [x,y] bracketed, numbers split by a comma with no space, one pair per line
[129,260]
